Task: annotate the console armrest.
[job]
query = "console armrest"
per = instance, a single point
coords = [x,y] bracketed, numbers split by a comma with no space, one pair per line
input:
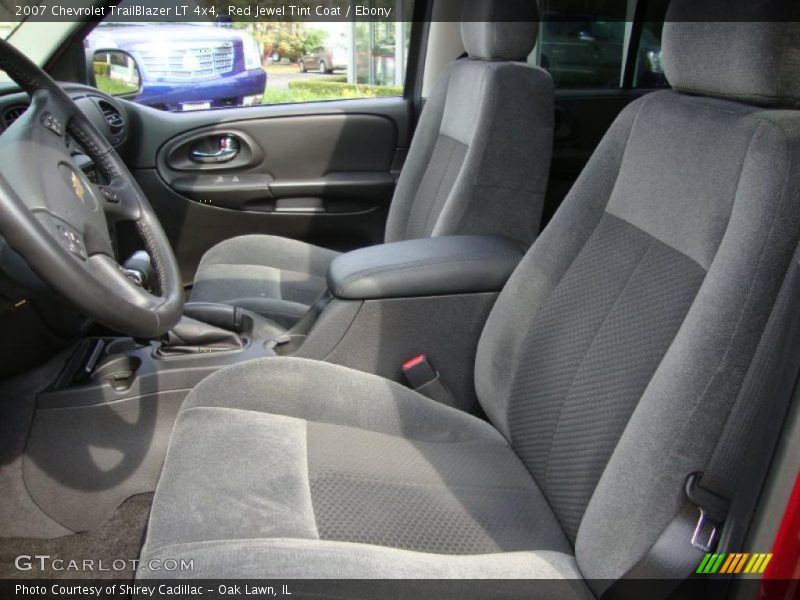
[459,264]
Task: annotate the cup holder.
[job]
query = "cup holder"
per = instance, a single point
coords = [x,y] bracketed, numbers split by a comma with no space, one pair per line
[118,371]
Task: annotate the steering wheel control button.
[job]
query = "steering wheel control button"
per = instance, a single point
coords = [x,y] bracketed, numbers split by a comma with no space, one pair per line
[50,121]
[72,241]
[78,250]
[109,194]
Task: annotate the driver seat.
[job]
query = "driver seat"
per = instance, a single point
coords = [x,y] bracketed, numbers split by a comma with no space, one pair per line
[607,368]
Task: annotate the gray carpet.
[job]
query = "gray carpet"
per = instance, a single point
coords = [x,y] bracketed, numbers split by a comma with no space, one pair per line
[120,539]
[19,514]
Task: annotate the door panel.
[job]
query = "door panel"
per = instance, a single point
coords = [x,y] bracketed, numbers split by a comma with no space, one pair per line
[319,172]
[336,163]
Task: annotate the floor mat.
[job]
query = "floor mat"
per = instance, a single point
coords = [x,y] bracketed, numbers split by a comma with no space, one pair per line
[113,546]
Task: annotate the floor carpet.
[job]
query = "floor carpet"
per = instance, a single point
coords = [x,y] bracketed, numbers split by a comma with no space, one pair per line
[119,539]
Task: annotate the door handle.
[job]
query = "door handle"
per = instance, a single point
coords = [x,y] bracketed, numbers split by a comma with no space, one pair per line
[227,150]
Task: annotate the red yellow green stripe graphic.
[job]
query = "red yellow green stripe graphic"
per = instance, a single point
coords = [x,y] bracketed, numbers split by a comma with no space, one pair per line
[734,562]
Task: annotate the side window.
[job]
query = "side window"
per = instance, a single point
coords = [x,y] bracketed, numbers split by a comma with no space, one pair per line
[312,62]
[196,66]
[582,50]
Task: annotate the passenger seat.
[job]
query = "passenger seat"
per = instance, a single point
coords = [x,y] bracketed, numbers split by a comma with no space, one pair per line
[478,164]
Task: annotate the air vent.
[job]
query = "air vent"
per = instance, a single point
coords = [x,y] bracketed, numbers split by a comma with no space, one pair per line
[113,117]
[12,114]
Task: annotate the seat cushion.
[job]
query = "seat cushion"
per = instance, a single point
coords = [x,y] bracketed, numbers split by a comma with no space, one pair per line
[276,277]
[342,474]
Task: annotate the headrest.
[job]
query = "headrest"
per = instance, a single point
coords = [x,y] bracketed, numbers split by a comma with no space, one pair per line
[499,29]
[745,50]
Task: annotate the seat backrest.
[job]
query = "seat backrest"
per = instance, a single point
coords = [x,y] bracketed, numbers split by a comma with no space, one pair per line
[480,157]
[613,355]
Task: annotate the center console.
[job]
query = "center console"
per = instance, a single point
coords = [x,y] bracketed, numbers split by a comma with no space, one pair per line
[395,301]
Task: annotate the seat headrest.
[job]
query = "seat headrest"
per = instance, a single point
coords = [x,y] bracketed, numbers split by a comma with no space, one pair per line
[745,50]
[499,29]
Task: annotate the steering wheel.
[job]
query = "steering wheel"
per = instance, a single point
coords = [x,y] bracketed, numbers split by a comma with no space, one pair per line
[58,221]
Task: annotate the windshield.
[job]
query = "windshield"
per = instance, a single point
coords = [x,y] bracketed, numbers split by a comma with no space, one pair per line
[6,29]
[8,9]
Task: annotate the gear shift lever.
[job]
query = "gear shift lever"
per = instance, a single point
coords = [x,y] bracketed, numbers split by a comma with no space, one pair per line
[138,268]
[195,337]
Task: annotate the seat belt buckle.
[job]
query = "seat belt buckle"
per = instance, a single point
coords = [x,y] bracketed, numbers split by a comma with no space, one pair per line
[423,378]
[705,533]
[419,372]
[713,511]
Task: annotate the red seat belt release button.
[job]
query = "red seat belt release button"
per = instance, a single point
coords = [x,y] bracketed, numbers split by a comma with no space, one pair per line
[423,378]
[419,372]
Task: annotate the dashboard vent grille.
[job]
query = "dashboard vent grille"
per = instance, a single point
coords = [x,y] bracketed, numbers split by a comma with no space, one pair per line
[112,117]
[12,114]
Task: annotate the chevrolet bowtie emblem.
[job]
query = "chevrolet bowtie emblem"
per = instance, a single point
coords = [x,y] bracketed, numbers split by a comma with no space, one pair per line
[77,186]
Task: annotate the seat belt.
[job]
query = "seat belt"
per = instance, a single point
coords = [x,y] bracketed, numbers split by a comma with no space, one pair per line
[726,493]
[738,467]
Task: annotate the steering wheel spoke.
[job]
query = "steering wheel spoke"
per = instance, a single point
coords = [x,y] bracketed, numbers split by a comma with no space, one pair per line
[120,202]
[44,112]
[65,235]
[50,112]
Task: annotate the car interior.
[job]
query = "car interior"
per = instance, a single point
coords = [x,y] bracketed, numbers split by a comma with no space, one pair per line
[497,327]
